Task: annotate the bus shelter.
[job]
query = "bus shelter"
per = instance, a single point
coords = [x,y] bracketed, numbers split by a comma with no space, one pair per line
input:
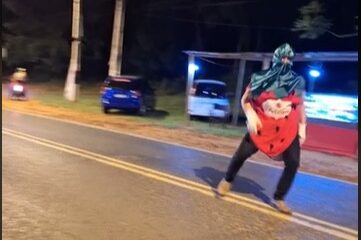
[314,138]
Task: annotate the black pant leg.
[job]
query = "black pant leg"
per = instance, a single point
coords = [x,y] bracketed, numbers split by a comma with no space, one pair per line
[246,149]
[291,158]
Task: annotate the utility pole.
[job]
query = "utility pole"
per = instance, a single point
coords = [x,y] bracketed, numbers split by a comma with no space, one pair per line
[71,84]
[190,78]
[4,53]
[237,99]
[116,53]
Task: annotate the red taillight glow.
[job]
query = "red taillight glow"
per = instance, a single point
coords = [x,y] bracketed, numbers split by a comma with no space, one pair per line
[136,93]
[102,89]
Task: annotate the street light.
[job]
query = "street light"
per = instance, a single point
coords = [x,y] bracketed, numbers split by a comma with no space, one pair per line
[192,68]
[314,72]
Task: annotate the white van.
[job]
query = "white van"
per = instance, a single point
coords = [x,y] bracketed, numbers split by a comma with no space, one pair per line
[207,98]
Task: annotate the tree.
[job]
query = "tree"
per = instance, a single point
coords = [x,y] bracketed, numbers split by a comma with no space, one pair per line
[180,25]
[312,23]
[34,35]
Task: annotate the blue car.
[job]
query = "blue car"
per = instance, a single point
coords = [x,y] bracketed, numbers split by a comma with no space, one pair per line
[129,93]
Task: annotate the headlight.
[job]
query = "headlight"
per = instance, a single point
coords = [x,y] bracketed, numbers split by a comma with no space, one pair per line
[18,88]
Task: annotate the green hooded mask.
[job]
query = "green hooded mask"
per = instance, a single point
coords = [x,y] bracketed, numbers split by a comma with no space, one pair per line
[279,79]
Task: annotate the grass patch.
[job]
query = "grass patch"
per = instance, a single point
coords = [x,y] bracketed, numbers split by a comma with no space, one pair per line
[219,129]
[169,113]
[84,104]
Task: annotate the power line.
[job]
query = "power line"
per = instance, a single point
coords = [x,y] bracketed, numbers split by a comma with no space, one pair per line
[231,3]
[160,4]
[215,63]
[243,25]
[343,35]
[217,23]
[205,5]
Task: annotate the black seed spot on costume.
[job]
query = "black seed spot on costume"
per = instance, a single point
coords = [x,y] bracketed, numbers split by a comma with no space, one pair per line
[286,117]
[282,140]
[270,146]
[259,133]
[277,128]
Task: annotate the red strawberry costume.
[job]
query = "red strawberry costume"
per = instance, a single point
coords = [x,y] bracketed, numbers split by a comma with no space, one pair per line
[279,117]
[276,122]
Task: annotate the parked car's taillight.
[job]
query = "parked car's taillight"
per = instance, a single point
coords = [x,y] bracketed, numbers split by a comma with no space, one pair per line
[136,93]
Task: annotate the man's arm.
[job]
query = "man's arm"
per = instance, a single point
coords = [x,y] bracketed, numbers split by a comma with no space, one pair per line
[253,122]
[244,100]
[302,121]
[302,110]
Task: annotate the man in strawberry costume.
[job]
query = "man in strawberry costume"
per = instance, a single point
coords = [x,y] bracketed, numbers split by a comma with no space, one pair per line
[276,122]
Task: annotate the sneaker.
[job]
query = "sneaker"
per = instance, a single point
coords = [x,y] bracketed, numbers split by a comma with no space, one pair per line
[223,187]
[281,206]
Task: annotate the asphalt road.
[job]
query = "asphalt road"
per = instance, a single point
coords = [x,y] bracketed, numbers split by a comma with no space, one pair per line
[67,181]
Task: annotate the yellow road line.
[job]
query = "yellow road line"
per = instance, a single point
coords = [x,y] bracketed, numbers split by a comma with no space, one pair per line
[192,183]
[161,141]
[329,228]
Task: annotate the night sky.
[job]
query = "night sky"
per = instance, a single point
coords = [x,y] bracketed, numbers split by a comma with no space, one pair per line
[156,32]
